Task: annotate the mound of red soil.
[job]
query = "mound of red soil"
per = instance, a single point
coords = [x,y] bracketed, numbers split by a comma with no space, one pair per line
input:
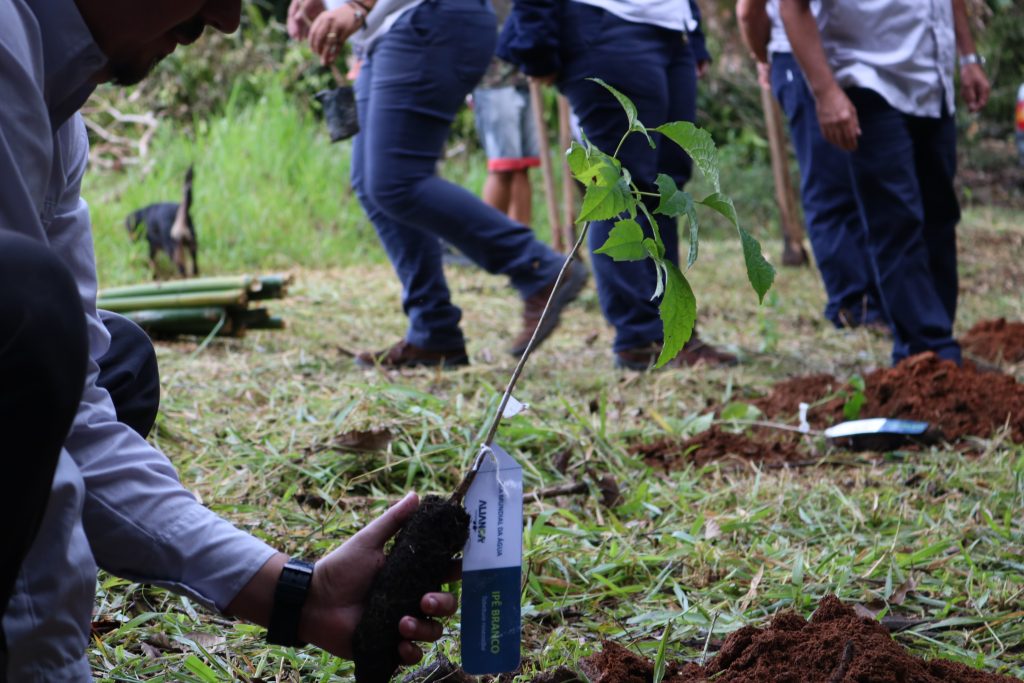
[835,646]
[716,444]
[996,341]
[958,401]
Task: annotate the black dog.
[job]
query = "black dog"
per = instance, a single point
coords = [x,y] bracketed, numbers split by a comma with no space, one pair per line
[169,228]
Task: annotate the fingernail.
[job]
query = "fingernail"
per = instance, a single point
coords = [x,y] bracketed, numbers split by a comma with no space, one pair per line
[432,603]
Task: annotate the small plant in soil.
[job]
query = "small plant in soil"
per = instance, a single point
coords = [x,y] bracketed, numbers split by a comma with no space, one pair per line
[421,555]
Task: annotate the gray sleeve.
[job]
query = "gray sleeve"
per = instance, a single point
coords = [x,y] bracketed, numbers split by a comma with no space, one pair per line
[140,521]
[25,137]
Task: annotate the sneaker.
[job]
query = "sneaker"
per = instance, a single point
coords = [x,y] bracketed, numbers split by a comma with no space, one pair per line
[575,278]
[406,355]
[695,352]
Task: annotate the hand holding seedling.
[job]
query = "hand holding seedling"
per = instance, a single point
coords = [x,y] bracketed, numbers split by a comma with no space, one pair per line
[341,583]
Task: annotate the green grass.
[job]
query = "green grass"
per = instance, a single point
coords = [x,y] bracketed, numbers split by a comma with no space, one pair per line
[250,425]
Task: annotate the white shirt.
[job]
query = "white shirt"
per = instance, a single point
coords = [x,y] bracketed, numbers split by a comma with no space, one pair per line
[779,41]
[905,50]
[671,14]
[116,501]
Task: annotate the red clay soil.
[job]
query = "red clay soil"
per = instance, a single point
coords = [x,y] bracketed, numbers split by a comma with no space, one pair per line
[716,444]
[835,646]
[996,341]
[958,401]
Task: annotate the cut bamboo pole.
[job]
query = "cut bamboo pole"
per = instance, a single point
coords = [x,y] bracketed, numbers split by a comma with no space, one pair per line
[793,252]
[206,284]
[231,297]
[568,184]
[537,103]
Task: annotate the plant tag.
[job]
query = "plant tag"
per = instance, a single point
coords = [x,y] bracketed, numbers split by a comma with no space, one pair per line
[876,425]
[492,566]
[514,407]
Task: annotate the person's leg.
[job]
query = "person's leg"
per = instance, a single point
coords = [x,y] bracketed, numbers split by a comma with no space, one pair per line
[889,195]
[834,225]
[520,208]
[935,159]
[43,355]
[414,254]
[423,68]
[498,190]
[129,373]
[633,59]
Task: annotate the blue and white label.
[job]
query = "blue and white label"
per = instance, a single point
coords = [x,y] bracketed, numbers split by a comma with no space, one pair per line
[876,425]
[492,566]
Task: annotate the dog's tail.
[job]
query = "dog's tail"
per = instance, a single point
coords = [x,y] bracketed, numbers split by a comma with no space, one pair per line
[186,200]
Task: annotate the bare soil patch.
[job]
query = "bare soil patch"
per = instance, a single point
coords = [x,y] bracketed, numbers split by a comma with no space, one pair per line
[996,341]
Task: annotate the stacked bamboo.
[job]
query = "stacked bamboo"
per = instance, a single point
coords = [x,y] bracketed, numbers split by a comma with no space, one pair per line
[200,306]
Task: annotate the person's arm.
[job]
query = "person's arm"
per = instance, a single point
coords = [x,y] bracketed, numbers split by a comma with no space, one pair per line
[530,38]
[698,42]
[837,116]
[755,27]
[974,85]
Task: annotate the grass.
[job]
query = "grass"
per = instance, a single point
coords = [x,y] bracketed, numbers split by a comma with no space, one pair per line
[252,424]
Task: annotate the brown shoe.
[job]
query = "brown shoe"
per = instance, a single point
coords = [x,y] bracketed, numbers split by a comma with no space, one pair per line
[575,278]
[695,352]
[406,355]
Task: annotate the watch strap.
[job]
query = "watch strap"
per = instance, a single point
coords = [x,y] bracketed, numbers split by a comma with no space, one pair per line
[289,597]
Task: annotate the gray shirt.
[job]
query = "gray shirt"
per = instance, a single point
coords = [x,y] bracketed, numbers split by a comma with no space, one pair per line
[905,50]
[779,41]
[116,502]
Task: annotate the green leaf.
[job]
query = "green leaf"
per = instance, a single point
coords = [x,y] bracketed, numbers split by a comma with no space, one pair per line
[760,273]
[698,143]
[660,661]
[199,668]
[631,113]
[607,194]
[738,410]
[675,202]
[654,248]
[625,242]
[678,310]
[853,405]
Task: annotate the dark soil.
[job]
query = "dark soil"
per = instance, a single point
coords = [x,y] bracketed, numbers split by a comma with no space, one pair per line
[418,563]
[996,341]
[756,445]
[958,402]
[835,646]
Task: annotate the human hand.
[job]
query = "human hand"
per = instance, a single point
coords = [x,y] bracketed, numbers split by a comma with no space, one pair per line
[342,579]
[301,14]
[330,31]
[703,66]
[837,118]
[764,76]
[974,86]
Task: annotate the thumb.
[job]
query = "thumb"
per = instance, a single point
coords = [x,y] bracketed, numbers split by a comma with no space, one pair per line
[376,533]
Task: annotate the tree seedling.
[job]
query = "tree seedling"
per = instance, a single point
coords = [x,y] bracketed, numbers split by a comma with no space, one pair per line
[420,558]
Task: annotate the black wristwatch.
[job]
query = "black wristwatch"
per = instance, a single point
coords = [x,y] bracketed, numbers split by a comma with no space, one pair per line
[289,596]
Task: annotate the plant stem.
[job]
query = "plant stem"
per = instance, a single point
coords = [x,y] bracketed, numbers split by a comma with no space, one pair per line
[460,492]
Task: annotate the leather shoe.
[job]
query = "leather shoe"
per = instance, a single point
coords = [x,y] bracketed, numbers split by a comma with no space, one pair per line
[406,355]
[694,352]
[575,278]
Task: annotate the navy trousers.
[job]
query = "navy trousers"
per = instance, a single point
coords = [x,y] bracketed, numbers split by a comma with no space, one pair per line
[43,352]
[655,68]
[408,91]
[834,224]
[43,361]
[903,170]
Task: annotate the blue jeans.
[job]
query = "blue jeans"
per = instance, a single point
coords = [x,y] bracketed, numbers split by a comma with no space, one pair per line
[655,68]
[834,226]
[413,82]
[903,170]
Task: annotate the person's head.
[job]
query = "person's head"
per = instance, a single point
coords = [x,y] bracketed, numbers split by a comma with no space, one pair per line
[136,35]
